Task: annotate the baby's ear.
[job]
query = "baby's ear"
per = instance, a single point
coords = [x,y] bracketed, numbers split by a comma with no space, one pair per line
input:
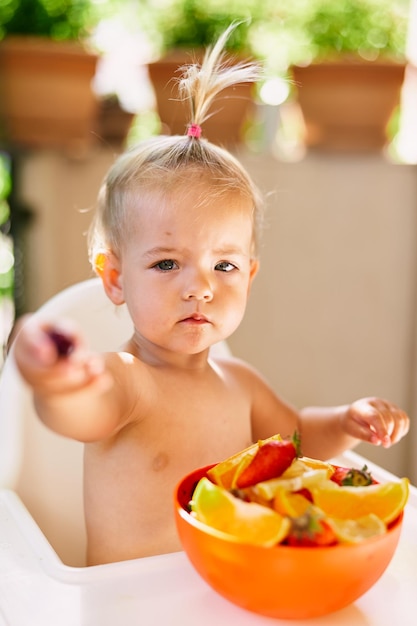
[107,266]
[254,268]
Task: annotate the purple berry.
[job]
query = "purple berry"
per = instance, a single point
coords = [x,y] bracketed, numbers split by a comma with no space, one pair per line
[64,345]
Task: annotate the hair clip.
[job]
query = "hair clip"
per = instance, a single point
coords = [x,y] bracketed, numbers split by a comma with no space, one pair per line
[194,130]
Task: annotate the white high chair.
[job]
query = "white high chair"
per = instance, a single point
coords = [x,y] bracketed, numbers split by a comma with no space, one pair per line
[43,468]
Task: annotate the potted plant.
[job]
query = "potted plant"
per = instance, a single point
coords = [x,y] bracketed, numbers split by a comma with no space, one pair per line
[348,60]
[46,70]
[46,73]
[182,30]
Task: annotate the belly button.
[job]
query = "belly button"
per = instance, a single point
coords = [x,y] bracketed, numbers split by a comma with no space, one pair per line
[160,462]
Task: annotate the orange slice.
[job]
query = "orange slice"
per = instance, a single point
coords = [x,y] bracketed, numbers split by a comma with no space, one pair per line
[225,473]
[288,503]
[247,522]
[384,500]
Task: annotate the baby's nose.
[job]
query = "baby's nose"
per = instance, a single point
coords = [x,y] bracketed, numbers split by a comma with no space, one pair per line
[199,289]
[194,294]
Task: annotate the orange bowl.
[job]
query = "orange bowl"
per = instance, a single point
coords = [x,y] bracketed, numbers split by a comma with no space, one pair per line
[283,581]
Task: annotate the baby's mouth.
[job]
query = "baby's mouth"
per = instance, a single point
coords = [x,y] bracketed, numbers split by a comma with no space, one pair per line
[195,318]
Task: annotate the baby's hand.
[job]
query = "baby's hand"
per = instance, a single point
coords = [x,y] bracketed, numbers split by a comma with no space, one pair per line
[53,358]
[376,421]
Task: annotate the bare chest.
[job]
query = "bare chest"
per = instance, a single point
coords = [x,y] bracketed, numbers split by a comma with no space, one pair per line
[189,425]
[200,421]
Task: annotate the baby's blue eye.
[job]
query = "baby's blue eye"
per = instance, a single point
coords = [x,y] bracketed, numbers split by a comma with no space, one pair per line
[225,266]
[166,266]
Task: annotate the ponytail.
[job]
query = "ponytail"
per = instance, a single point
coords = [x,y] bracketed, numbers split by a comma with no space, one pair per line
[200,84]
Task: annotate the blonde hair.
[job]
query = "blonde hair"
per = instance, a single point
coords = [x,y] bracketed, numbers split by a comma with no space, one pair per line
[165,165]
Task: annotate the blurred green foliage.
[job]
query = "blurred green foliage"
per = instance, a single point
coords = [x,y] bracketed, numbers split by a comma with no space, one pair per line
[283,32]
[369,28]
[57,19]
[6,248]
[198,23]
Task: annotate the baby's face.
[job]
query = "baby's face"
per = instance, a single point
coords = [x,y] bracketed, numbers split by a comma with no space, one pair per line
[186,270]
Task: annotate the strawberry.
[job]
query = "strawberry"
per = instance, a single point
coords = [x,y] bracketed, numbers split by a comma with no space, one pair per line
[270,461]
[310,530]
[352,477]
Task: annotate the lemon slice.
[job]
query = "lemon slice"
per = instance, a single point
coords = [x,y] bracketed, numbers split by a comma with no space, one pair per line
[308,480]
[247,522]
[247,459]
[317,464]
[384,500]
[297,468]
[357,530]
[223,473]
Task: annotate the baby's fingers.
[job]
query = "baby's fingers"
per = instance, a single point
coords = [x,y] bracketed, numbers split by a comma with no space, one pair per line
[378,421]
[401,425]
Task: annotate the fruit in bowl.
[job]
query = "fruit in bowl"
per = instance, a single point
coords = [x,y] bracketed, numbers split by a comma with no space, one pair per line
[294,545]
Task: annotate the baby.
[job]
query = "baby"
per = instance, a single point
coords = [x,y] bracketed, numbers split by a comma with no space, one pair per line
[175,238]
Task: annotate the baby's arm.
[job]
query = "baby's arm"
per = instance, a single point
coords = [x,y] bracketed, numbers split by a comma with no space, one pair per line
[74,390]
[325,431]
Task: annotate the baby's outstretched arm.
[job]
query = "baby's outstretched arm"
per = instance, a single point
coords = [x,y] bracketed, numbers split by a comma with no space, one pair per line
[73,387]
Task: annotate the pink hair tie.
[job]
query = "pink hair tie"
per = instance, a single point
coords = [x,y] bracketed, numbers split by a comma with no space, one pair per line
[194,130]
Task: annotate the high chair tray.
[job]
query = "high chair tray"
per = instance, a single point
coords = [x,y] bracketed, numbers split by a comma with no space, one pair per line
[37,589]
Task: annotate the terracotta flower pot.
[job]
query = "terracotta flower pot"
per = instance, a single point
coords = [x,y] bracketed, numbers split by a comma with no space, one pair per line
[46,94]
[347,105]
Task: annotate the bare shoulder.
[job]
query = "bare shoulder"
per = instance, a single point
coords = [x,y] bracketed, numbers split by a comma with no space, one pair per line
[240,370]
[126,362]
[270,413]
